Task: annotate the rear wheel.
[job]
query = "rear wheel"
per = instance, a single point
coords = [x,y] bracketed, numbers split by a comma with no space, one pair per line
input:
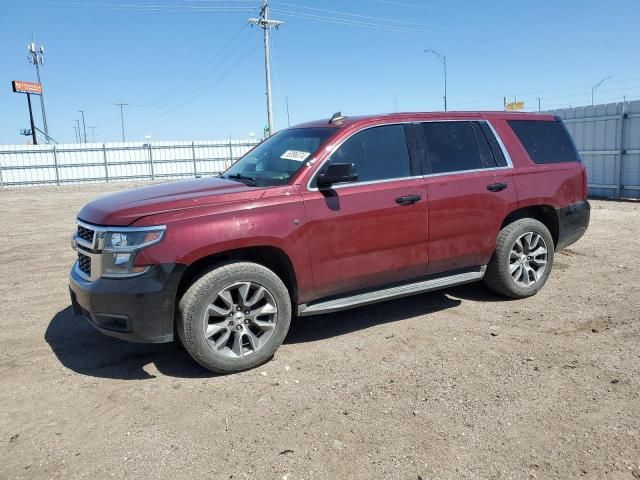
[234,317]
[523,259]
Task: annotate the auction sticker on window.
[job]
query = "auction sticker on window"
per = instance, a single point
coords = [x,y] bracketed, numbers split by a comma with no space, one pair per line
[296,155]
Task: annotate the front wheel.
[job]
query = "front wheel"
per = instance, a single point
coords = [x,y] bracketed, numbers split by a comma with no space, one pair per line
[234,317]
[523,259]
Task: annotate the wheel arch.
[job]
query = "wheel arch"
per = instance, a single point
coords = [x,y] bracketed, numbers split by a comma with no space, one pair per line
[545,214]
[273,258]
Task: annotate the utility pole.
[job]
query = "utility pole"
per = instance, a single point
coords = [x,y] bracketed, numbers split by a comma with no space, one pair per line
[266,24]
[539,109]
[122,117]
[36,57]
[75,132]
[84,125]
[443,59]
[79,131]
[93,134]
[288,118]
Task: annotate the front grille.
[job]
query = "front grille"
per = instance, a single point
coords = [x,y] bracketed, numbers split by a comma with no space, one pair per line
[84,264]
[85,234]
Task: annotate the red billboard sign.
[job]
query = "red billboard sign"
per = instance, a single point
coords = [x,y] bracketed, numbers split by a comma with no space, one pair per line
[26,87]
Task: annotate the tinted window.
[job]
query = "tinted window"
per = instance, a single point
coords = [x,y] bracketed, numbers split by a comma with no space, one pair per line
[378,153]
[451,147]
[545,142]
[487,159]
[493,143]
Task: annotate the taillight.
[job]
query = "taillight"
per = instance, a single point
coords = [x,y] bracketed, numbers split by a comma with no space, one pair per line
[585,186]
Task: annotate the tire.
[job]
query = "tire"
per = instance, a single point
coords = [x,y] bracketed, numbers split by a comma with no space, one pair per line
[507,272]
[221,300]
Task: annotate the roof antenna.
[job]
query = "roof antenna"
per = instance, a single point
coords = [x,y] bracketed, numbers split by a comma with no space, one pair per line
[337,117]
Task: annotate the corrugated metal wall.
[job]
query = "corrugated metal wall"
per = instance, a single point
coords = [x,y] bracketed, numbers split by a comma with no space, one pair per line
[608,138]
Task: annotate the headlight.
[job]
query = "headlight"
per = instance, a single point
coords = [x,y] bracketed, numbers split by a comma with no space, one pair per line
[122,245]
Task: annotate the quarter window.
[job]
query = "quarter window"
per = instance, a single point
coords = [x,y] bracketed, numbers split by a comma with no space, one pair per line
[379,153]
[545,142]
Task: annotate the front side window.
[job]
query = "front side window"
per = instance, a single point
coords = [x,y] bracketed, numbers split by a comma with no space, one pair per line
[279,157]
[452,147]
[378,153]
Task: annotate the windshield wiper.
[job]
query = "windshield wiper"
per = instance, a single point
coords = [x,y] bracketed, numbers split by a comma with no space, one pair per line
[251,181]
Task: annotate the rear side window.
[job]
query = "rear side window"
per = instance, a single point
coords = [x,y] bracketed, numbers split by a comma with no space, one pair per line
[493,143]
[545,142]
[486,155]
[452,147]
[379,153]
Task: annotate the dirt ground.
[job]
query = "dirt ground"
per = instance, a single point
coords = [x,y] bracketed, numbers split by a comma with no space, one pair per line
[454,384]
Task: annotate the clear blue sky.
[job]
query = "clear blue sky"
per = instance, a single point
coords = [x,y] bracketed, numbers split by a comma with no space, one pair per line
[190,72]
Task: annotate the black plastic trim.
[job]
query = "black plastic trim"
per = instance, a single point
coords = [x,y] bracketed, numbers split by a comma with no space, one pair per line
[573,221]
[138,309]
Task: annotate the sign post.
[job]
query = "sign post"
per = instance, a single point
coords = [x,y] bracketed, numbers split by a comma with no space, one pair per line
[29,88]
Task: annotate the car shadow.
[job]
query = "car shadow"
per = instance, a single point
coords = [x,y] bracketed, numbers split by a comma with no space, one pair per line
[319,327]
[81,348]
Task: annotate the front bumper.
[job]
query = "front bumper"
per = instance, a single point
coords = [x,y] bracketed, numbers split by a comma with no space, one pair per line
[137,309]
[573,221]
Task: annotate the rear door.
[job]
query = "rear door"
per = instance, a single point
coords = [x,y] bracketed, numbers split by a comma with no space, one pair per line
[470,191]
[372,231]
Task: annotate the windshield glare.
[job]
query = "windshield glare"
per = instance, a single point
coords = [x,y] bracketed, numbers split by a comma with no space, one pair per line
[279,157]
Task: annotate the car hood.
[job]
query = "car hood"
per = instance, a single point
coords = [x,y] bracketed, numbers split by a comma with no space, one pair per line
[124,208]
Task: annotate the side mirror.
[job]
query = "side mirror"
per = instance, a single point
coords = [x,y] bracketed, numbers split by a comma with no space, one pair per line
[337,173]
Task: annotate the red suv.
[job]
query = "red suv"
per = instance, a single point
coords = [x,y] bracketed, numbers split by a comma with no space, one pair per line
[326,216]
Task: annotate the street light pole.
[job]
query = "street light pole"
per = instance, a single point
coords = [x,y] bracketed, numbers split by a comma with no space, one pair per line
[596,86]
[443,59]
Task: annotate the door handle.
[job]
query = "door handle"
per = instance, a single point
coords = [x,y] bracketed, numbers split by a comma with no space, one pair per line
[496,187]
[408,199]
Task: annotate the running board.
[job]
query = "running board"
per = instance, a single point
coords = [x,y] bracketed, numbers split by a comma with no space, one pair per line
[360,299]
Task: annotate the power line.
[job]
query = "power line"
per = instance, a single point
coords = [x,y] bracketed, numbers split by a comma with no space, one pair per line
[150,8]
[364,24]
[198,79]
[214,82]
[355,15]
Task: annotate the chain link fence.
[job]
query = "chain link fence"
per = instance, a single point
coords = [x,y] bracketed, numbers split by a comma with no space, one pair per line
[24,165]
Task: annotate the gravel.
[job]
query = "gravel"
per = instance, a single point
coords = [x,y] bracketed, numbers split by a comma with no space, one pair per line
[412,388]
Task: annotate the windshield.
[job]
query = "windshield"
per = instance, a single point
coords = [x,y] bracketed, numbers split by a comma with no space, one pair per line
[279,157]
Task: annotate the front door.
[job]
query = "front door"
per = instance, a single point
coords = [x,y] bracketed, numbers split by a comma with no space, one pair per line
[372,231]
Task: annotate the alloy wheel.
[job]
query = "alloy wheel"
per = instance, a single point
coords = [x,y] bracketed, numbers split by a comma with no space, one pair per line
[240,320]
[528,259]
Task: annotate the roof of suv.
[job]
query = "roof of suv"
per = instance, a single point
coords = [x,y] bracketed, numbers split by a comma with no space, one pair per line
[418,116]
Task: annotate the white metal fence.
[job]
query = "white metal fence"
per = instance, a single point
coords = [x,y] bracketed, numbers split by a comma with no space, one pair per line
[608,138]
[23,165]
